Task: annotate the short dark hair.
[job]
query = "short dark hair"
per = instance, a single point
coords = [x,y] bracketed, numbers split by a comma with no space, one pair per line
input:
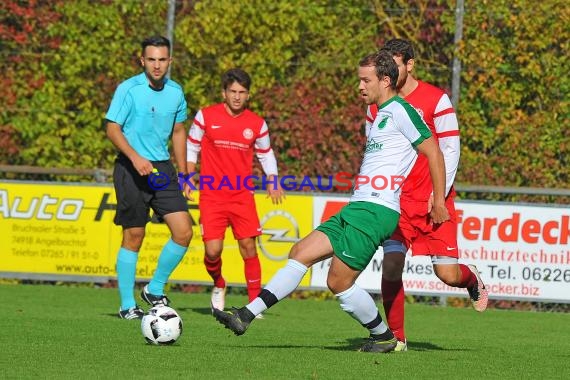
[236,75]
[384,64]
[400,48]
[156,41]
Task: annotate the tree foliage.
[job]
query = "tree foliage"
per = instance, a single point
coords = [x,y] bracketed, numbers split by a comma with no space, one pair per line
[63,61]
[279,43]
[514,98]
[24,46]
[93,50]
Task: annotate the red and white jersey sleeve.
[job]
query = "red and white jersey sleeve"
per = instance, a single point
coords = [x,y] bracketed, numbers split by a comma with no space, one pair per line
[447,133]
[195,135]
[433,104]
[264,152]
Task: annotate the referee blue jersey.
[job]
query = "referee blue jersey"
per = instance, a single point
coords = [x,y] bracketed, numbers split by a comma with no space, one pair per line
[147,116]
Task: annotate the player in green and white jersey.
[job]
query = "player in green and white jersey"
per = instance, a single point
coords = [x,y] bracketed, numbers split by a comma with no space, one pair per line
[352,236]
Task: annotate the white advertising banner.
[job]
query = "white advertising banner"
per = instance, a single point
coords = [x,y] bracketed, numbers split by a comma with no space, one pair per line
[521,251]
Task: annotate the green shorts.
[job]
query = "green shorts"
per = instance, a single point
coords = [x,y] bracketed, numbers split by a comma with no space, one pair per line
[357,231]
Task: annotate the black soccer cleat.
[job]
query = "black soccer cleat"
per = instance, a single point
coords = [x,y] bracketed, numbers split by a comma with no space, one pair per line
[153,300]
[232,320]
[134,312]
[385,342]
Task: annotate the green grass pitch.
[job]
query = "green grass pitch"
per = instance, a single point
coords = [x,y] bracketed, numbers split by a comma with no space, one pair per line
[65,332]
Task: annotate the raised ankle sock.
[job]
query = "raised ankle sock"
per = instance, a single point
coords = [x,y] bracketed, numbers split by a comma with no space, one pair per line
[286,279]
[214,269]
[393,299]
[280,286]
[126,267]
[468,278]
[264,301]
[168,260]
[386,335]
[252,271]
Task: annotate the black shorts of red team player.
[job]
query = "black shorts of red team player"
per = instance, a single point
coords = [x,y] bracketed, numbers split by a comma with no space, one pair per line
[136,194]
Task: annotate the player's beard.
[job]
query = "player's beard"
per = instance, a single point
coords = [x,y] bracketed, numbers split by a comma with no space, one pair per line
[157,81]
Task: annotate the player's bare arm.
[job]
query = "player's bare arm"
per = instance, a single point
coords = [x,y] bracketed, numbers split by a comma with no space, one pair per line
[179,146]
[179,150]
[190,168]
[450,148]
[429,147]
[115,134]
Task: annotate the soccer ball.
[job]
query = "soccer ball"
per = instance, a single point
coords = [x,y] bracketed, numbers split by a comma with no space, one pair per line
[161,325]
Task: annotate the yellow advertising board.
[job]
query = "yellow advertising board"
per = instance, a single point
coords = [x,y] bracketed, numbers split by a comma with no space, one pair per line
[55,230]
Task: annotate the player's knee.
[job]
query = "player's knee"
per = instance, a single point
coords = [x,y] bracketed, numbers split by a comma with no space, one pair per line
[184,237]
[249,253]
[332,284]
[247,248]
[295,251]
[133,238]
[303,254]
[337,284]
[213,254]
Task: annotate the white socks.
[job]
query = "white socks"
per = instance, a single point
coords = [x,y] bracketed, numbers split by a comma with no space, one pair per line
[360,306]
[283,283]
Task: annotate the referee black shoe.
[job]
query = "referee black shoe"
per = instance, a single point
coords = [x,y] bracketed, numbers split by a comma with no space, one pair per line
[154,300]
[134,312]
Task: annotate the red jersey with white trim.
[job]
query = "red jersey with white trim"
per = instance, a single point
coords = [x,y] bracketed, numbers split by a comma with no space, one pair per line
[433,104]
[227,145]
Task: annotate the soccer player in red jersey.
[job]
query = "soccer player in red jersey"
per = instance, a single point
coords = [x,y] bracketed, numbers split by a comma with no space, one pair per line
[415,231]
[227,135]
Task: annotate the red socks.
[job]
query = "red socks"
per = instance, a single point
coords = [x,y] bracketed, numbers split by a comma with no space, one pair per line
[468,278]
[252,271]
[214,269]
[393,300]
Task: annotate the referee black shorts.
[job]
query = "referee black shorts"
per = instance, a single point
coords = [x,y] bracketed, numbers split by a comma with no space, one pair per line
[137,194]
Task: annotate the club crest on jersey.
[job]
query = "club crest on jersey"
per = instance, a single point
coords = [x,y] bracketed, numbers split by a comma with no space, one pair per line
[383,122]
[372,146]
[248,133]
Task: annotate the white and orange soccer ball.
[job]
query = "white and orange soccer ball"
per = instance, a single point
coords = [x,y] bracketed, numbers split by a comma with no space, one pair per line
[161,325]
